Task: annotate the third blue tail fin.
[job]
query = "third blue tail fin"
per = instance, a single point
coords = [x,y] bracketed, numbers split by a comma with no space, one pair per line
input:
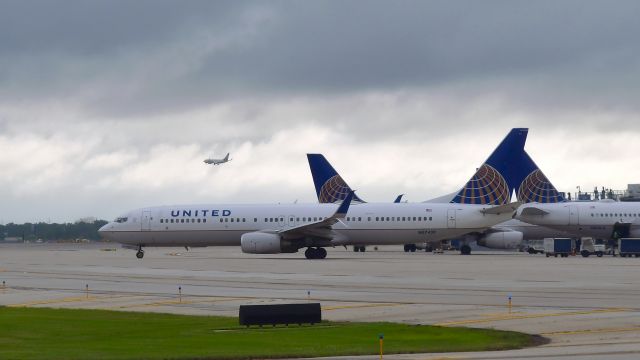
[535,186]
[330,187]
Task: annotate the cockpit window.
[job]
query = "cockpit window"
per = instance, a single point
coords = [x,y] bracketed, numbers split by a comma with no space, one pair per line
[121,219]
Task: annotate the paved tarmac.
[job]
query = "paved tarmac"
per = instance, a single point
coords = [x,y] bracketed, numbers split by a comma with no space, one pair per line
[587,307]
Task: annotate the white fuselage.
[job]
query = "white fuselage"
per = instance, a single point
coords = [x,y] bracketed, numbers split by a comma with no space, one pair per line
[220,225]
[594,219]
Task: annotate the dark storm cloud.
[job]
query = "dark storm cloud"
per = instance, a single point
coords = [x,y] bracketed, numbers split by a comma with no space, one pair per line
[155,56]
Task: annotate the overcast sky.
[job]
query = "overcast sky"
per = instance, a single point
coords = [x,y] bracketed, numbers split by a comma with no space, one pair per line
[107,106]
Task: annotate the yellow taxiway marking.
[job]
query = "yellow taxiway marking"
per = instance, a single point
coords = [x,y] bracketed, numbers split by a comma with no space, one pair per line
[177,301]
[338,307]
[529,316]
[71,299]
[56,301]
[592,331]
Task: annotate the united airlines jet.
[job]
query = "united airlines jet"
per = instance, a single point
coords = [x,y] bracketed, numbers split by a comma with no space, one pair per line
[280,228]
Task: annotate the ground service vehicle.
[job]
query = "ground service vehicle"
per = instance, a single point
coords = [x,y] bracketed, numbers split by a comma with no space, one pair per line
[589,247]
[629,247]
[558,246]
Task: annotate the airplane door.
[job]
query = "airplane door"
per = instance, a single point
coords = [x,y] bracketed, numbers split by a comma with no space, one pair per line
[145,220]
[451,218]
[574,217]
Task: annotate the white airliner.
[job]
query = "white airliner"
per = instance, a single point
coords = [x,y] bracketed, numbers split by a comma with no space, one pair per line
[211,161]
[604,219]
[280,228]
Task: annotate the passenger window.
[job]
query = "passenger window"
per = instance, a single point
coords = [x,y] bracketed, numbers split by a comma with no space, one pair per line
[204,220]
[199,220]
[244,220]
[297,219]
[221,220]
[359,218]
[430,218]
[231,219]
[172,221]
[255,219]
[387,218]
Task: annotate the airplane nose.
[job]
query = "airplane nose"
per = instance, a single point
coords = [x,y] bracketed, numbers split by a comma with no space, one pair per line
[105,230]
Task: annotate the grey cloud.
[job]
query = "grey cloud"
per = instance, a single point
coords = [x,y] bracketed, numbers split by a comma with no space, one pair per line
[125,58]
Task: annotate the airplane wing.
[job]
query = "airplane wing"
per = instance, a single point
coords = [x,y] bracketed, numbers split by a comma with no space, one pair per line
[500,209]
[531,210]
[322,228]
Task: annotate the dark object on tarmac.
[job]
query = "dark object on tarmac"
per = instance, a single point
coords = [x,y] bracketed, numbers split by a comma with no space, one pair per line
[280,314]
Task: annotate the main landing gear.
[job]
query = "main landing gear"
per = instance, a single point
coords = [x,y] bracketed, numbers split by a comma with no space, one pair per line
[140,253]
[315,253]
[465,250]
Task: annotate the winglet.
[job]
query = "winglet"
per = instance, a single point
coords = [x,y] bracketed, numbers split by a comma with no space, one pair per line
[398,199]
[501,209]
[344,207]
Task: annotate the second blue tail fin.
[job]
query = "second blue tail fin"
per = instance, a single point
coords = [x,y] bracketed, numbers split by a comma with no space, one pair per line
[494,182]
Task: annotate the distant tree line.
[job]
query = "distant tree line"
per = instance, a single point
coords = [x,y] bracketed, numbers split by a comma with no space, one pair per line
[52,232]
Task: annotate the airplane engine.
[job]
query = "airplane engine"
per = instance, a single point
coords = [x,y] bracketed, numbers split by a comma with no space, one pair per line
[501,240]
[265,243]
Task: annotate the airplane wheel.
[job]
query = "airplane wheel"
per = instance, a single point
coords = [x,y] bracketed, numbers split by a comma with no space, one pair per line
[309,253]
[356,248]
[599,254]
[140,254]
[465,250]
[322,253]
[363,248]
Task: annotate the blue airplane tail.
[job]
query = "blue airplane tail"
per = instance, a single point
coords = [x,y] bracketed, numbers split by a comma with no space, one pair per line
[535,186]
[494,182]
[330,187]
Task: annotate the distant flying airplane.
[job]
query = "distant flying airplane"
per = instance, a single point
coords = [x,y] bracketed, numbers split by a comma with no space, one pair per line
[217,161]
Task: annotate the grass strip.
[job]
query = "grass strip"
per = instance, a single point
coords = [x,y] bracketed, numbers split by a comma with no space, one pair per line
[45,333]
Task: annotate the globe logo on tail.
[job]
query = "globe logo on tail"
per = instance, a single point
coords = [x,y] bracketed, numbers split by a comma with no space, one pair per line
[335,190]
[487,187]
[537,188]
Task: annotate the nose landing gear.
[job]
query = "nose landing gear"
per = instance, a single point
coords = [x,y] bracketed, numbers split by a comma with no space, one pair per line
[140,253]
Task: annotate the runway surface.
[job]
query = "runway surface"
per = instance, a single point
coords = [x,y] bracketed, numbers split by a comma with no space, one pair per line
[587,307]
